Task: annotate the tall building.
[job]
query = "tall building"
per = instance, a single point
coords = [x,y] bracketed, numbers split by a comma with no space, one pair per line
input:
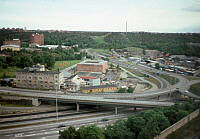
[92,66]
[37,39]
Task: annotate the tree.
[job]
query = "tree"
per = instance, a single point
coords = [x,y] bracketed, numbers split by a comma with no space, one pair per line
[69,133]
[122,90]
[136,124]
[91,132]
[119,131]
[130,90]
[157,66]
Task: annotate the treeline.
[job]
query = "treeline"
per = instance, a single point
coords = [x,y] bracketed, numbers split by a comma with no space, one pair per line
[143,125]
[47,57]
[174,43]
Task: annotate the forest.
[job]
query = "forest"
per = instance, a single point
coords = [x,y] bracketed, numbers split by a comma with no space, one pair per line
[173,43]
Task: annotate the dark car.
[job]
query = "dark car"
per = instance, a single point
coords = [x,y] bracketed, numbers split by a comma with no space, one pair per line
[61,125]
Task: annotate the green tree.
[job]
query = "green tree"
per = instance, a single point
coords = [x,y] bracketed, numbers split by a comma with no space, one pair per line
[91,132]
[136,124]
[130,90]
[119,131]
[122,90]
[69,133]
[157,66]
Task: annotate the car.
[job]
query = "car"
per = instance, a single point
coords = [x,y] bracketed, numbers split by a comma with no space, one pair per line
[186,92]
[61,125]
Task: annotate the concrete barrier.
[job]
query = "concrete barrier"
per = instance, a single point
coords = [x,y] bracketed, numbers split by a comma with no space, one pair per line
[177,125]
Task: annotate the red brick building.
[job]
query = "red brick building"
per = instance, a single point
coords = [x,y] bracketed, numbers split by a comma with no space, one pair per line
[92,66]
[12,42]
[37,39]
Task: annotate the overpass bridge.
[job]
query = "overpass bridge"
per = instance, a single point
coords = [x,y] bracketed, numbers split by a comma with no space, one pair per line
[93,100]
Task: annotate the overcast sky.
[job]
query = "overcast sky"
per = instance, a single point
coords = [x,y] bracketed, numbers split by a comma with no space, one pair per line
[102,15]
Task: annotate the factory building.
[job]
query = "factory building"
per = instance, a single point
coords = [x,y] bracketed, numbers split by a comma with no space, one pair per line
[99,89]
[36,39]
[37,78]
[92,66]
[13,45]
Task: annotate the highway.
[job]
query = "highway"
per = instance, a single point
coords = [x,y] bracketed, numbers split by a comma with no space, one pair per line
[87,99]
[51,129]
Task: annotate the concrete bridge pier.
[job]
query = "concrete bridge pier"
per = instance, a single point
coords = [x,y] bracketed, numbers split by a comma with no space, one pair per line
[116,111]
[35,102]
[77,107]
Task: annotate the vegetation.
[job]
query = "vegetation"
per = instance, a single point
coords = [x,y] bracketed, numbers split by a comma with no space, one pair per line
[153,80]
[124,90]
[9,72]
[190,130]
[64,64]
[16,60]
[190,78]
[170,79]
[137,73]
[195,89]
[174,43]
[143,125]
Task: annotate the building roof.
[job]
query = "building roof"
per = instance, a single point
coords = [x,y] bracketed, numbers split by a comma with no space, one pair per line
[10,45]
[93,62]
[99,86]
[34,71]
[87,77]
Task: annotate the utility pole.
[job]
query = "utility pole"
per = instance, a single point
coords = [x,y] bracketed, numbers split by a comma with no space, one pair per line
[126,27]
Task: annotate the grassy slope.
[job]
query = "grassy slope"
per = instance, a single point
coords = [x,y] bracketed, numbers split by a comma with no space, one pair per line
[64,64]
[195,88]
[170,79]
[190,130]
[10,72]
[99,39]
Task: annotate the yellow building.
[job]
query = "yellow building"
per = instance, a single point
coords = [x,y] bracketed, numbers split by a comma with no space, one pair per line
[11,47]
[98,89]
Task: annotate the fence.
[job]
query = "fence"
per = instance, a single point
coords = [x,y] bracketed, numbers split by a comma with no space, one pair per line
[177,125]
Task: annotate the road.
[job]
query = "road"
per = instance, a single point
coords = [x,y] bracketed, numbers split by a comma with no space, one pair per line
[49,130]
[182,86]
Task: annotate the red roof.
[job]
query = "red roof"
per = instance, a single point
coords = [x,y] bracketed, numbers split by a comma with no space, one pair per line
[87,77]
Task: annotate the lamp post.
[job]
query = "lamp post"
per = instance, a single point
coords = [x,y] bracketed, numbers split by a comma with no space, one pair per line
[57,88]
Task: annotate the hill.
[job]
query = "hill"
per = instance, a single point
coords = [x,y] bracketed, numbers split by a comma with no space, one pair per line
[174,43]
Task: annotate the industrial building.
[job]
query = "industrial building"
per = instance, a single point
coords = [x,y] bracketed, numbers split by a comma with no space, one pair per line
[36,77]
[36,39]
[10,47]
[92,66]
[99,89]
[13,45]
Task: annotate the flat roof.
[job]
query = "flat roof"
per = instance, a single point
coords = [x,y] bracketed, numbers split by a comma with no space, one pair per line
[99,86]
[93,62]
[10,45]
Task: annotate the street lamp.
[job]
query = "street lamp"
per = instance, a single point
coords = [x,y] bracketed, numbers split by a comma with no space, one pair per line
[57,85]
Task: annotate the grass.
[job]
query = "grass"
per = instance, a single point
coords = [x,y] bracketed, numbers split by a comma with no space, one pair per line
[64,64]
[137,73]
[190,78]
[10,72]
[189,130]
[153,80]
[170,79]
[195,89]
[99,39]
[106,51]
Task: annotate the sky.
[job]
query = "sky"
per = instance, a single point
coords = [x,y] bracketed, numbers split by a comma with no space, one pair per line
[102,15]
